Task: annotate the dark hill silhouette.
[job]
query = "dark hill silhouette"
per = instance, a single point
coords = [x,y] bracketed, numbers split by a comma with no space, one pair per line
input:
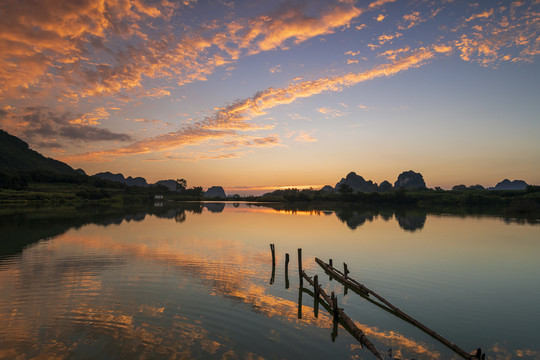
[15,155]
[215,191]
[170,184]
[410,180]
[129,181]
[510,185]
[357,183]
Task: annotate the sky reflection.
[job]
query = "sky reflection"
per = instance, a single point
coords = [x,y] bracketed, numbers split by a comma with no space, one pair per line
[186,289]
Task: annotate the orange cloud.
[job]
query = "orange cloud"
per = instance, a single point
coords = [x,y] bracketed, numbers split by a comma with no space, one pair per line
[275,69]
[91,118]
[38,38]
[268,33]
[411,20]
[330,112]
[383,39]
[483,15]
[304,137]
[379,3]
[227,121]
[392,54]
[52,41]
[498,39]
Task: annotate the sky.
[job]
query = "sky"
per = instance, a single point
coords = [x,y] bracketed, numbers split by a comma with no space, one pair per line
[257,95]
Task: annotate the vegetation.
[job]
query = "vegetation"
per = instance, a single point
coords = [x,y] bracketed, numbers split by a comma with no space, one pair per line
[470,199]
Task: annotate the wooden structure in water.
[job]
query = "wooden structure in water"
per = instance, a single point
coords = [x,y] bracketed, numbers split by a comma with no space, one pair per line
[365,292]
[330,303]
[339,314]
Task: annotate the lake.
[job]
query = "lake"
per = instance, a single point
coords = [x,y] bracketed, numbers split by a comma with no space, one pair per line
[195,281]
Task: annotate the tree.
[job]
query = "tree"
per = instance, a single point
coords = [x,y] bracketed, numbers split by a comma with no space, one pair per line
[181,185]
[345,189]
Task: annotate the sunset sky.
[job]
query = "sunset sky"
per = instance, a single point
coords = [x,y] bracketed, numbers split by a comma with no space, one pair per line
[254,95]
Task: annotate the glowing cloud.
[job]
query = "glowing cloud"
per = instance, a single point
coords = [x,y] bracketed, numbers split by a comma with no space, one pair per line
[227,121]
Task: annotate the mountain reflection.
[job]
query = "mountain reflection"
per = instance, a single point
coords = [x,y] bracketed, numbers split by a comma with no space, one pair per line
[82,289]
[21,227]
[190,281]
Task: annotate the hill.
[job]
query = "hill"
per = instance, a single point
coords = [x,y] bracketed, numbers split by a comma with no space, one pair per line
[510,185]
[15,155]
[129,181]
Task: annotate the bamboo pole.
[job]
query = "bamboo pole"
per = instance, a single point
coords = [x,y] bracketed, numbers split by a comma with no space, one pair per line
[340,314]
[273,250]
[286,270]
[300,265]
[347,281]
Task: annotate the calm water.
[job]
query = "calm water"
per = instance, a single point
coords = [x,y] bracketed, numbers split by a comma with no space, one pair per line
[195,282]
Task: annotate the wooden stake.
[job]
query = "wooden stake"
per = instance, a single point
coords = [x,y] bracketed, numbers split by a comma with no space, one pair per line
[300,302]
[335,306]
[300,266]
[286,270]
[273,250]
[316,296]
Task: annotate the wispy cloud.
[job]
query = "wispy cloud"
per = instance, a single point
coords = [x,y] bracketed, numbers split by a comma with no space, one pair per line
[392,54]
[483,15]
[74,44]
[228,121]
[503,36]
[383,39]
[275,69]
[305,137]
[365,107]
[330,112]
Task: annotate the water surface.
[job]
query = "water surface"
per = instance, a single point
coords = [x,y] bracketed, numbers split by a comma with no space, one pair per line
[195,281]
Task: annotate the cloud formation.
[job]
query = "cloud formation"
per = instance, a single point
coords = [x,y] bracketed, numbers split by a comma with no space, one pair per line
[228,121]
[85,53]
[503,34]
[108,47]
[45,124]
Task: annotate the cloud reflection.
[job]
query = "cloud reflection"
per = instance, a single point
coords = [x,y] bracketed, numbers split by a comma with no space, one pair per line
[90,286]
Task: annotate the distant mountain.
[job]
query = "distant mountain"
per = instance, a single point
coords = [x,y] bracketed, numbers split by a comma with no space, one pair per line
[215,191]
[410,180]
[15,155]
[111,177]
[357,183]
[385,186]
[138,181]
[327,188]
[510,185]
[170,184]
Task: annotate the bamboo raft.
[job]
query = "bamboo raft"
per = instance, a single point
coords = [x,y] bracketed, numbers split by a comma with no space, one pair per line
[355,285]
